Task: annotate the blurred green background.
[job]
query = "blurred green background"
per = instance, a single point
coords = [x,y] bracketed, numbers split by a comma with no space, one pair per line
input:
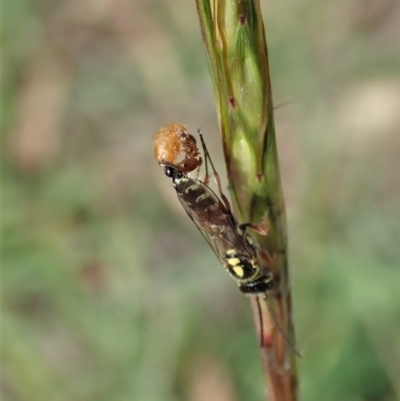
[108,290]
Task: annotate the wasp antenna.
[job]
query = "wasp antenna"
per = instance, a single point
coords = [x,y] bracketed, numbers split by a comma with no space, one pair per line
[206,152]
[279,328]
[207,157]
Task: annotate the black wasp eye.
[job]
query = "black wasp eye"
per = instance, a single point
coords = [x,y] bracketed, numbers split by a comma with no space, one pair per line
[172,172]
[169,172]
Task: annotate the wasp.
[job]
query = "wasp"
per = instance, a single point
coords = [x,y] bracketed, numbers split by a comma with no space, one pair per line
[235,248]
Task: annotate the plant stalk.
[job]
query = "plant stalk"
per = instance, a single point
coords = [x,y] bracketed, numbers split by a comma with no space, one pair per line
[233,33]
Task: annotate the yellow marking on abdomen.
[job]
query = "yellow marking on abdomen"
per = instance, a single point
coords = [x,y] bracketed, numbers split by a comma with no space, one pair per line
[234,262]
[238,270]
[193,187]
[201,197]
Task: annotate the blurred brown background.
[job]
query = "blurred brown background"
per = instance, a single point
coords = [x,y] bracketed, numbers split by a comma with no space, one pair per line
[109,292]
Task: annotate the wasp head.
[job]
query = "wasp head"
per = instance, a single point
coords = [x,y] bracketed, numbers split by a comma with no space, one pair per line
[171,171]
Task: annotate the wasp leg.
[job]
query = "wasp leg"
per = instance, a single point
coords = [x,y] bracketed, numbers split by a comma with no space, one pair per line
[198,167]
[261,228]
[268,258]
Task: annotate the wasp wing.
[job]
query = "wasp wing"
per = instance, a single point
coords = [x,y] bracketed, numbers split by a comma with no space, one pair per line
[215,222]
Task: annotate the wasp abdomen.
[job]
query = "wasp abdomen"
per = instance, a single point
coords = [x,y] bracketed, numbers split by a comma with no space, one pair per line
[241,267]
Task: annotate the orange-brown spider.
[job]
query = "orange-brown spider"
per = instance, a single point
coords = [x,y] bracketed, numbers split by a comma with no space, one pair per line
[174,146]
